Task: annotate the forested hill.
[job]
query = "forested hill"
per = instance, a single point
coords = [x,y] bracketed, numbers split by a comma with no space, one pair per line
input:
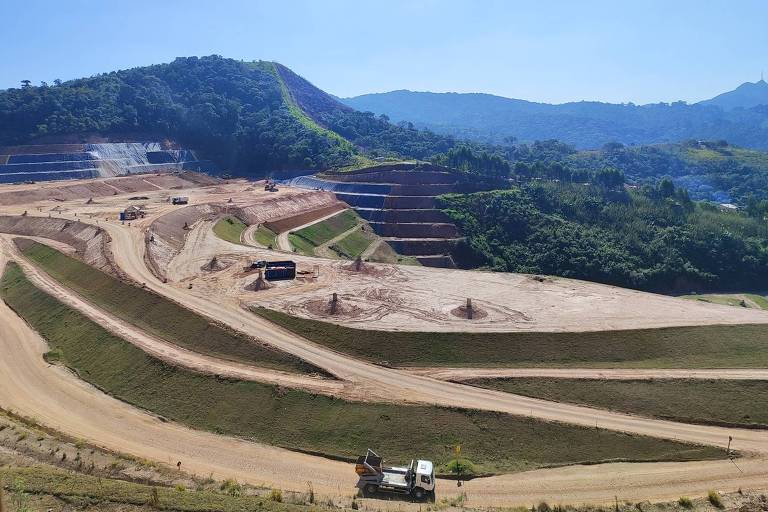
[653,239]
[249,117]
[585,125]
[747,95]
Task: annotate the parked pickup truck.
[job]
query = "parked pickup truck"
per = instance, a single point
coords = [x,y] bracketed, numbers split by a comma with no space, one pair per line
[416,480]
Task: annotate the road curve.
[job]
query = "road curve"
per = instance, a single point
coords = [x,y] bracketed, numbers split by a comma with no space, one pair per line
[57,398]
[128,247]
[465,374]
[163,350]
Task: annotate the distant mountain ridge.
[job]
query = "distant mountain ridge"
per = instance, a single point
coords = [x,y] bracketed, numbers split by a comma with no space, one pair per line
[740,116]
[747,95]
[250,118]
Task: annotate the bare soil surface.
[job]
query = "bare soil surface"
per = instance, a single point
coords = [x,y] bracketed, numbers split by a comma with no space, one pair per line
[396,297]
[165,351]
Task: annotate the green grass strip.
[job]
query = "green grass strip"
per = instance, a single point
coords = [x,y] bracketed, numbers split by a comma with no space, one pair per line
[735,346]
[265,236]
[155,314]
[70,486]
[352,245]
[318,234]
[327,425]
[718,402]
[301,245]
[229,229]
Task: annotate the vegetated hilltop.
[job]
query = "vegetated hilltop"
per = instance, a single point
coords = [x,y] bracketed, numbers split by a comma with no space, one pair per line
[246,116]
[653,238]
[584,124]
[747,95]
[710,170]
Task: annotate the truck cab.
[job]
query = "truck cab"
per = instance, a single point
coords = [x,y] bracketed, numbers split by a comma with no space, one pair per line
[417,479]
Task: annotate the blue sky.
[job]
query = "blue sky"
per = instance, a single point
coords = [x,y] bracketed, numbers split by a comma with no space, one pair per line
[553,51]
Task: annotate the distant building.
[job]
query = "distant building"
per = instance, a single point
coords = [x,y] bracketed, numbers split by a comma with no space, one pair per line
[728,207]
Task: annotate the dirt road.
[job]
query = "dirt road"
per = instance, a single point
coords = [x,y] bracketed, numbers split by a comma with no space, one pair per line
[166,351]
[593,483]
[55,397]
[128,248]
[464,374]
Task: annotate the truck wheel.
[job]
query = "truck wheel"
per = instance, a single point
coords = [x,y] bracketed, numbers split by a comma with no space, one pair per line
[431,496]
[419,494]
[370,490]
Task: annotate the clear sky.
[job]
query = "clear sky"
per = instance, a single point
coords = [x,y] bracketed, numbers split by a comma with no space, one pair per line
[641,51]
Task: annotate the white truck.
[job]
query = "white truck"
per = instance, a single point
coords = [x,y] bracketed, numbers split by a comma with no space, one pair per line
[416,480]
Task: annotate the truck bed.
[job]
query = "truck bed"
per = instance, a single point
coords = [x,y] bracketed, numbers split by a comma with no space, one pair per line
[394,478]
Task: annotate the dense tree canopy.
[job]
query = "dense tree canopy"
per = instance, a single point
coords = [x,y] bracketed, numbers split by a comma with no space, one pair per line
[653,239]
[240,114]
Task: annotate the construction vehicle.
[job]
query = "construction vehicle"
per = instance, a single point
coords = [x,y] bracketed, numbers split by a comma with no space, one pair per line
[416,480]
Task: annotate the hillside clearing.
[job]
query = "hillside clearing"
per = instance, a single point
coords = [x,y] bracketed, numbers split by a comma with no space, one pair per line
[316,423]
[156,314]
[732,346]
[720,402]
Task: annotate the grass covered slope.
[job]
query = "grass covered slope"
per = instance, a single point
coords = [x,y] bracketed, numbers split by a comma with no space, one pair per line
[229,229]
[265,236]
[318,234]
[156,314]
[77,491]
[354,244]
[721,402]
[673,347]
[298,420]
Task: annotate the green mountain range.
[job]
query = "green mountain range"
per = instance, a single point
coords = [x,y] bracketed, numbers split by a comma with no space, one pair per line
[739,116]
[249,117]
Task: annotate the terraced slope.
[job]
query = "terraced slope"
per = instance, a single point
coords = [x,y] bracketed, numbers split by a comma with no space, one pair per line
[398,201]
[71,161]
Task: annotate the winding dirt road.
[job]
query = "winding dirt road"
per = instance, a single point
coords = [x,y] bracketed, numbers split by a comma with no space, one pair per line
[236,458]
[164,350]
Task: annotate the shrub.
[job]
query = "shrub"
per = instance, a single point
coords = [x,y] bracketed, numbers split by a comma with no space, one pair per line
[231,487]
[276,495]
[715,499]
[685,502]
[461,466]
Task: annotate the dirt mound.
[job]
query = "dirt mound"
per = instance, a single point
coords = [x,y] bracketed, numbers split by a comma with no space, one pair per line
[217,264]
[361,267]
[464,312]
[331,307]
[258,284]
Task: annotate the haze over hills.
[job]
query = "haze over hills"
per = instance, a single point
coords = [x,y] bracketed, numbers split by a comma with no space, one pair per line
[735,116]
[747,95]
